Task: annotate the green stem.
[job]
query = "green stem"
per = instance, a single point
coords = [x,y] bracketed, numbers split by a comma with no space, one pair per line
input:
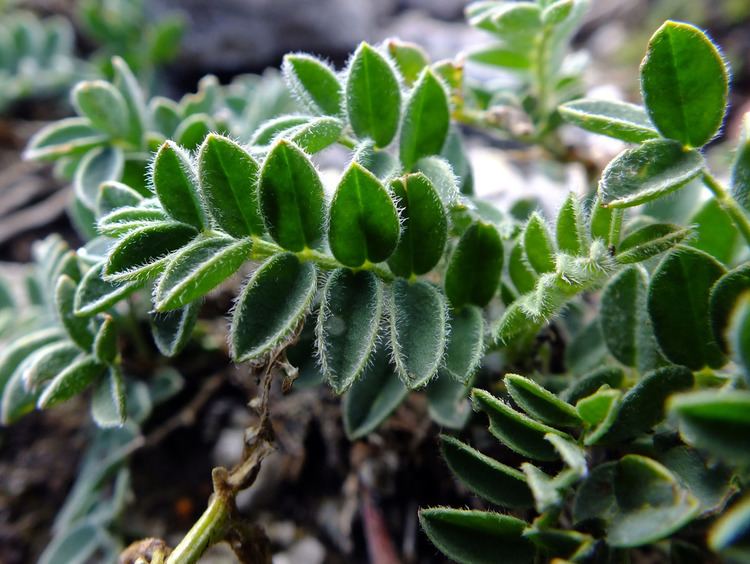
[211,526]
[615,227]
[263,249]
[728,204]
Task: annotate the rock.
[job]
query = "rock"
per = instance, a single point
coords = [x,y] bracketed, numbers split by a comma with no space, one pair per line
[232,35]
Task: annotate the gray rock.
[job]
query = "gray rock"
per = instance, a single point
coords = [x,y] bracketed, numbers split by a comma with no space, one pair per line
[227,35]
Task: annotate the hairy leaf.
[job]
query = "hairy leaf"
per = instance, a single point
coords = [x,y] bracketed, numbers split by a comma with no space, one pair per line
[364,224]
[95,295]
[678,300]
[647,172]
[108,402]
[71,381]
[685,83]
[198,269]
[314,82]
[348,323]
[273,302]
[425,226]
[228,180]
[538,246]
[475,266]
[172,329]
[540,403]
[373,96]
[291,198]
[176,185]
[473,537]
[518,432]
[724,298]
[417,318]
[485,476]
[649,241]
[620,120]
[103,105]
[426,120]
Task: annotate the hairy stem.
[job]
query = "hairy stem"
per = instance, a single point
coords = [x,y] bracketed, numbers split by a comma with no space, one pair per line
[263,249]
[728,204]
[615,227]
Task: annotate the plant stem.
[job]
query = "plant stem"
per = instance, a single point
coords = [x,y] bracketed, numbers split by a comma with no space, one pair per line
[263,249]
[728,204]
[615,227]
[212,525]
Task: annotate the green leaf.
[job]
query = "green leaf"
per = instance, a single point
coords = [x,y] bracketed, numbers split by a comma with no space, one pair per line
[685,83]
[269,130]
[516,20]
[424,230]
[637,499]
[291,198]
[124,220]
[724,298]
[485,476]
[652,504]
[475,266]
[317,134]
[740,181]
[12,355]
[194,130]
[443,178]
[373,96]
[587,384]
[739,335]
[570,228]
[627,122]
[144,252]
[176,185]
[113,195]
[71,381]
[626,326]
[364,224]
[103,105]
[678,306]
[348,322]
[273,302]
[105,342]
[108,402]
[465,347]
[95,295]
[547,496]
[729,535]
[447,401]
[715,232]
[515,430]
[540,403]
[165,115]
[711,483]
[199,268]
[426,120]
[600,220]
[97,166]
[475,537]
[172,329]
[127,84]
[66,137]
[597,408]
[538,245]
[373,397]
[557,12]
[522,277]
[77,327]
[643,405]
[715,421]
[228,180]
[417,322]
[409,57]
[499,55]
[47,362]
[647,172]
[381,163]
[649,241]
[314,83]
